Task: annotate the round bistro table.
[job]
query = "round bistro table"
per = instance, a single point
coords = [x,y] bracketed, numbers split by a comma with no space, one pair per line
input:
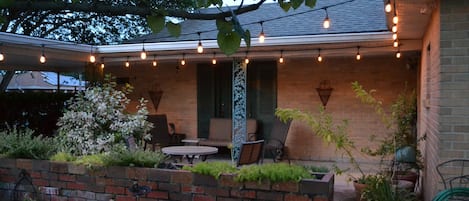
[190,151]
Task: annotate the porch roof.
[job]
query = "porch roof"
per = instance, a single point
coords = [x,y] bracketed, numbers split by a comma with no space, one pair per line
[360,23]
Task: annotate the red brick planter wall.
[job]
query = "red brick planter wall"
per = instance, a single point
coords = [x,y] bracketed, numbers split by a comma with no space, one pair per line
[77,183]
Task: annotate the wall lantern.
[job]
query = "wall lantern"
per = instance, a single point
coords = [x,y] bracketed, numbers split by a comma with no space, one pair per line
[324,91]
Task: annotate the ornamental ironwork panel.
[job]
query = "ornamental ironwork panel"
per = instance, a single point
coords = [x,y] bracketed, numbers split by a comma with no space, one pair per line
[239,107]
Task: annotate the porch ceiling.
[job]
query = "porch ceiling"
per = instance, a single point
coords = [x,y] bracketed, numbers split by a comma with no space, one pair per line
[22,52]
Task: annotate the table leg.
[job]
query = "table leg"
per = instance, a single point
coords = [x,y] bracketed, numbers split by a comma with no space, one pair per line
[190,158]
[203,157]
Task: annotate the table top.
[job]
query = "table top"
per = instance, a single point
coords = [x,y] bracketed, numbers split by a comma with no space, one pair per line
[191,140]
[189,150]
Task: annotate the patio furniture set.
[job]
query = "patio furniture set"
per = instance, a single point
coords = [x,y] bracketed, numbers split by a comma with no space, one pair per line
[252,151]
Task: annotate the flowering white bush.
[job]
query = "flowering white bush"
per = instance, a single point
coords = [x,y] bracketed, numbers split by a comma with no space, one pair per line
[96,120]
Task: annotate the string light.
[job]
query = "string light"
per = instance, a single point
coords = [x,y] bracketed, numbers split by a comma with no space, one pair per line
[358,57]
[246,59]
[200,48]
[327,22]
[2,57]
[394,36]
[395,19]
[262,35]
[183,61]
[388,6]
[143,54]
[42,59]
[280,60]
[214,59]
[319,55]
[394,28]
[395,43]
[92,57]
[102,62]
[398,53]
[127,63]
[155,63]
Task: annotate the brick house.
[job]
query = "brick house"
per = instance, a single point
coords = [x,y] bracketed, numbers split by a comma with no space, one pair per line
[433,37]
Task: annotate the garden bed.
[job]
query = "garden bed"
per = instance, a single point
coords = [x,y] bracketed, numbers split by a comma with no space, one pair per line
[66,181]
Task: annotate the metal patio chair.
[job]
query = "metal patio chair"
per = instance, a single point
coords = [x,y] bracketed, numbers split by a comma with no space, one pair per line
[251,152]
[455,177]
[276,143]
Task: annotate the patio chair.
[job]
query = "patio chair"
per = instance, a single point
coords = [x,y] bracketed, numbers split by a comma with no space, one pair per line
[160,136]
[276,143]
[251,152]
[455,177]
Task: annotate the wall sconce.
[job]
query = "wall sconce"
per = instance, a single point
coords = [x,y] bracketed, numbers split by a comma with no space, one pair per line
[324,91]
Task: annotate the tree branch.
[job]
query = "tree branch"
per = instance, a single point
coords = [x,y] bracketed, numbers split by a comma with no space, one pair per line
[121,10]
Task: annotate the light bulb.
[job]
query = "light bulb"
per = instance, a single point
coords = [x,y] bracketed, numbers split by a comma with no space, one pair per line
[102,65]
[246,60]
[200,48]
[42,59]
[155,63]
[395,43]
[261,37]
[2,57]
[358,56]
[398,54]
[183,62]
[394,36]
[327,23]
[280,60]
[92,58]
[214,61]
[319,58]
[127,64]
[388,7]
[143,54]
[394,28]
[395,19]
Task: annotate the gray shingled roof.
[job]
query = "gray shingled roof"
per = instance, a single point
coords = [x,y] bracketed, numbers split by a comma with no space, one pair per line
[358,16]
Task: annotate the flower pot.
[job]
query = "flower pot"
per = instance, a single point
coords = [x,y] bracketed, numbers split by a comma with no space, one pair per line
[359,187]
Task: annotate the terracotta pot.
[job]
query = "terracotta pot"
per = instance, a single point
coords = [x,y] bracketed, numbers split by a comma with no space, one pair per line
[359,190]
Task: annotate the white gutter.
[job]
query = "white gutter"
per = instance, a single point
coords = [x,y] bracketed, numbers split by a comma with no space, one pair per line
[269,41]
[16,39]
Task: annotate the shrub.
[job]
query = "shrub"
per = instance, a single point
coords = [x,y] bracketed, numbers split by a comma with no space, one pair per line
[274,172]
[97,120]
[91,161]
[214,169]
[321,169]
[63,157]
[137,158]
[22,143]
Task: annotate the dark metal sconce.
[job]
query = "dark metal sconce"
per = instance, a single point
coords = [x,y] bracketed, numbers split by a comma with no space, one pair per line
[324,91]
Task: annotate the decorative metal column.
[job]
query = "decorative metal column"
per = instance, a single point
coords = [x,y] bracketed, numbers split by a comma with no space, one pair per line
[239,107]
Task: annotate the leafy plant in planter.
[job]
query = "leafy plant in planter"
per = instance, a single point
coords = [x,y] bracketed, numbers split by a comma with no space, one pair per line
[23,143]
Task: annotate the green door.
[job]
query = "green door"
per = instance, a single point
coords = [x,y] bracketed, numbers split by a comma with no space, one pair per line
[214,99]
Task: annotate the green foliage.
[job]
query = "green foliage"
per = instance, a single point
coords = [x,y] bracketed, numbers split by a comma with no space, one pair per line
[137,158]
[174,29]
[63,157]
[22,143]
[214,169]
[379,188]
[313,168]
[156,23]
[91,161]
[324,127]
[273,172]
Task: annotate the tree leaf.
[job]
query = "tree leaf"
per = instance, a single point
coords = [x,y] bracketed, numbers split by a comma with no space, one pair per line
[156,23]
[310,3]
[216,2]
[284,5]
[296,3]
[174,29]
[202,4]
[247,38]
[6,3]
[224,26]
[228,42]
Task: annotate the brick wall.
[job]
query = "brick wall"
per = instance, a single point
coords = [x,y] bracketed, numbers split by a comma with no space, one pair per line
[65,181]
[429,104]
[297,82]
[446,119]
